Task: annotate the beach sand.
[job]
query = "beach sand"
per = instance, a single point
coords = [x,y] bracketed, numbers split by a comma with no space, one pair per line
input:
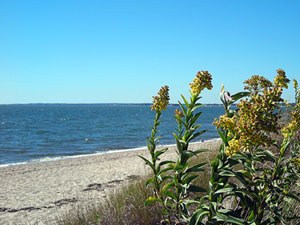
[39,193]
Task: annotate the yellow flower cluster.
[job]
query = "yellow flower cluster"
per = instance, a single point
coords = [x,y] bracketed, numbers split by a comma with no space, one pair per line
[161,101]
[257,116]
[289,129]
[233,148]
[281,80]
[297,92]
[295,84]
[201,81]
[225,122]
[294,125]
[257,83]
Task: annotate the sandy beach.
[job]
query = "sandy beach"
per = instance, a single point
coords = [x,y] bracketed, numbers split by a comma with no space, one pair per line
[38,193]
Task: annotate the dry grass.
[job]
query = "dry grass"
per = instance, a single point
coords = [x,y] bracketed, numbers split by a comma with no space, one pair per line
[125,206]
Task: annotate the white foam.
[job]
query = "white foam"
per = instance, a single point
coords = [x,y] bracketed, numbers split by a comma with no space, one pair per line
[49,159]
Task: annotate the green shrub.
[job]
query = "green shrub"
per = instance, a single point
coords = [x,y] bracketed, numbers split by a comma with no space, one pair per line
[259,183]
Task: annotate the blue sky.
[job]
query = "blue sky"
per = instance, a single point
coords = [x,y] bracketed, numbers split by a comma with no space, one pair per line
[124,51]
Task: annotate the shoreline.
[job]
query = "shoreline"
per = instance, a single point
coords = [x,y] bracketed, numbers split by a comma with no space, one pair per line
[39,193]
[58,158]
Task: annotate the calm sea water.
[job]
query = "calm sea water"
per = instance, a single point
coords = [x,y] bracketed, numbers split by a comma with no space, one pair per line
[32,133]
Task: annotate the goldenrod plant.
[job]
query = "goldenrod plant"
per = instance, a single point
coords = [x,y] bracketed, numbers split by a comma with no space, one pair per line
[173,184]
[178,188]
[253,171]
[160,103]
[255,175]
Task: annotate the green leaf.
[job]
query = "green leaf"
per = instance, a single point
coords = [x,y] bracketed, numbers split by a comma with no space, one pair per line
[220,165]
[224,190]
[167,186]
[227,173]
[222,136]
[190,153]
[196,135]
[229,219]
[148,145]
[158,169]
[158,153]
[198,216]
[185,101]
[172,165]
[189,179]
[200,150]
[251,217]
[244,173]
[170,194]
[180,120]
[167,177]
[239,156]
[165,170]
[165,162]
[147,162]
[194,188]
[184,210]
[200,164]
[188,202]
[195,118]
[252,194]
[265,155]
[178,143]
[151,200]
[182,108]
[197,106]
[240,95]
[179,167]
[149,181]
[196,168]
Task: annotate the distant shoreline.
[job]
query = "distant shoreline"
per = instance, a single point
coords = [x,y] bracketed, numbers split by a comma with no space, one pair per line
[38,104]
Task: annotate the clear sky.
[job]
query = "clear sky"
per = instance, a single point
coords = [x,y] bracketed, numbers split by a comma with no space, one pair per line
[95,51]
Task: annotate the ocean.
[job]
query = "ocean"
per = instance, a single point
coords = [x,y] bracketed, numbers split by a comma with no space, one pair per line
[31,133]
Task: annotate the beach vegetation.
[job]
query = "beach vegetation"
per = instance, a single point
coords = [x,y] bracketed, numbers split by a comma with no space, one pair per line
[254,177]
[173,184]
[123,206]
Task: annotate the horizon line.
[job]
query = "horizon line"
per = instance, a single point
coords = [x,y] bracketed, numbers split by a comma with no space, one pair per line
[112,103]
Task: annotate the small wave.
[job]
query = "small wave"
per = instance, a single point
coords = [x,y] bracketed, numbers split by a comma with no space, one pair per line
[13,164]
[48,159]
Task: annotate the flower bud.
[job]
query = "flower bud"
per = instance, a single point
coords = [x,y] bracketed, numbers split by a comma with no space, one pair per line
[201,81]
[161,101]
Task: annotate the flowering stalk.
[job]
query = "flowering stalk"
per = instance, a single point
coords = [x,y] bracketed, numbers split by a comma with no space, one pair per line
[160,103]
[179,188]
[289,131]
